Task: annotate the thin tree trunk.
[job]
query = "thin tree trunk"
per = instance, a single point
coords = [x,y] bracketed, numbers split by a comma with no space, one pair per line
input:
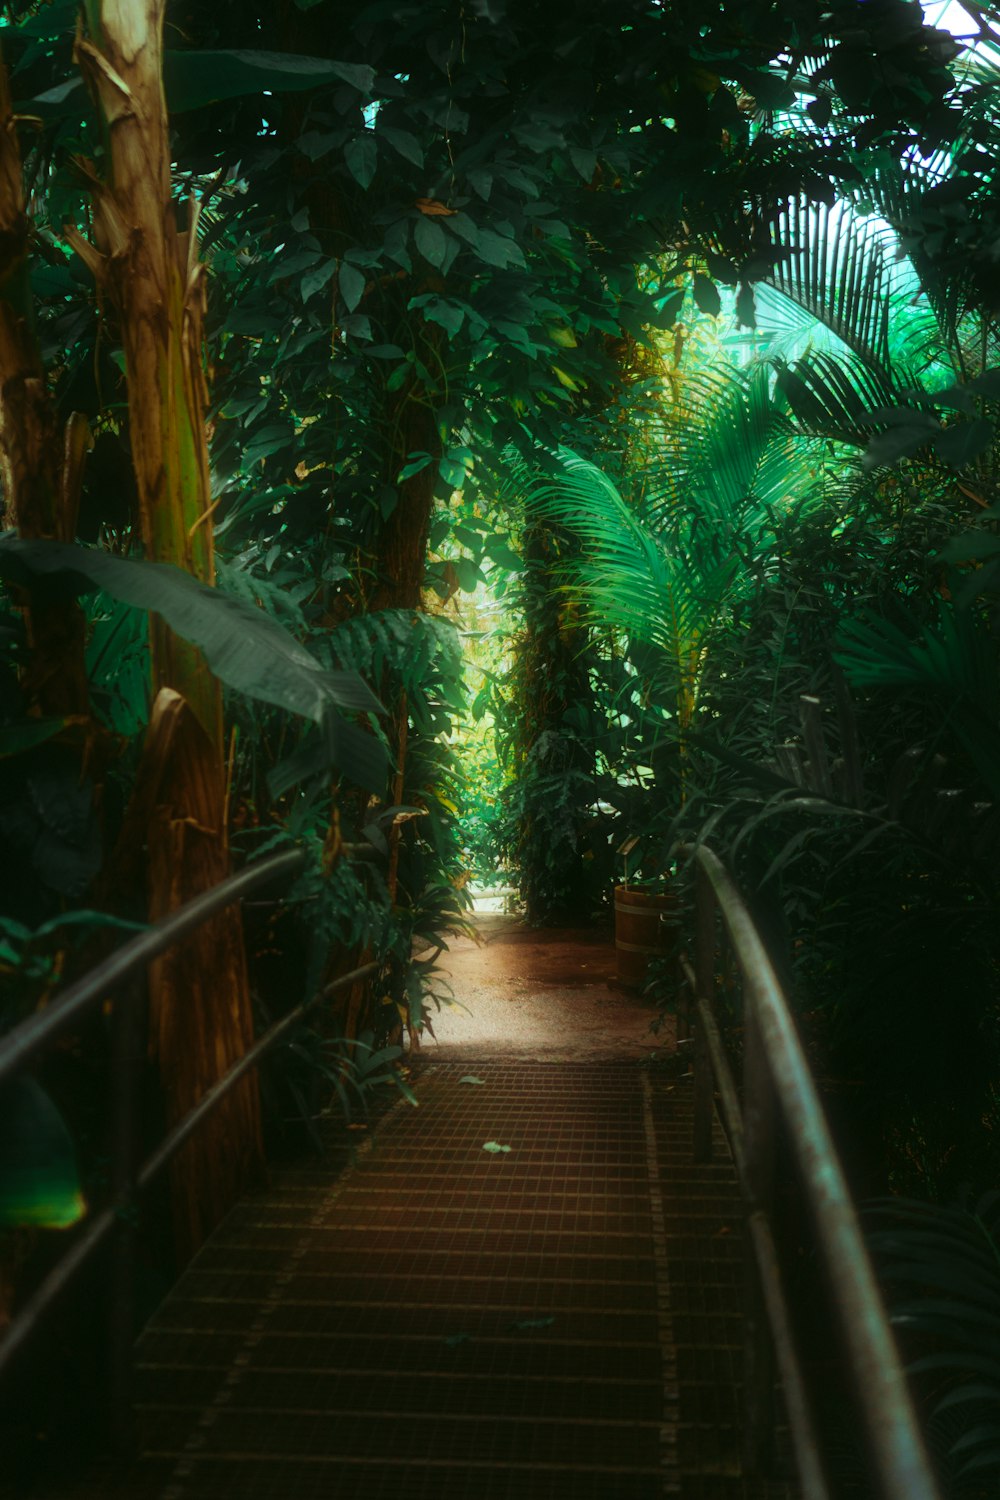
[40,471]
[150,271]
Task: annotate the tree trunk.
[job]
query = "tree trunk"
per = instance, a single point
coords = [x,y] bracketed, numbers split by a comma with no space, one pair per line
[150,271]
[554,763]
[40,483]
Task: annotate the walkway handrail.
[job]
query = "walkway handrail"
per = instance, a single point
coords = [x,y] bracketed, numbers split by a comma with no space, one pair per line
[19,1046]
[776,1070]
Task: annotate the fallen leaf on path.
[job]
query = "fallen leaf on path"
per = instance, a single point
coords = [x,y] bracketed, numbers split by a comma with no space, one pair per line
[471,1078]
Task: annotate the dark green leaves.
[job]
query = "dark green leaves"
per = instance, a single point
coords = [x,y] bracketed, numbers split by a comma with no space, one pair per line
[431,241]
[911,429]
[745,312]
[961,442]
[196,78]
[706,296]
[361,156]
[352,285]
[39,1183]
[244,647]
[402,141]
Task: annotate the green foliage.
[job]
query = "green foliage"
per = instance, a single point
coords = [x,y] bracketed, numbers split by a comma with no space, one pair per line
[39,1183]
[942,1265]
[245,648]
[458,290]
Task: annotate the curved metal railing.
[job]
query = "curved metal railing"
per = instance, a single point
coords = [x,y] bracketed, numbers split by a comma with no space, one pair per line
[114,1222]
[777,1080]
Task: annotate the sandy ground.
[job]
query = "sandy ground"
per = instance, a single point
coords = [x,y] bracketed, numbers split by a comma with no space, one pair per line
[542,995]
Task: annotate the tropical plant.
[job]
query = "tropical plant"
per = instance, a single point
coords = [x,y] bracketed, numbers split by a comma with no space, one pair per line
[942,1266]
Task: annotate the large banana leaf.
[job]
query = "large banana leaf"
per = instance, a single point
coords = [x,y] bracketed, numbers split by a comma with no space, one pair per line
[246,649]
[195,78]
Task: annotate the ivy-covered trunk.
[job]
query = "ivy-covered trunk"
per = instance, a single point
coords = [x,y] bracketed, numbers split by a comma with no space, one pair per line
[555,761]
[149,269]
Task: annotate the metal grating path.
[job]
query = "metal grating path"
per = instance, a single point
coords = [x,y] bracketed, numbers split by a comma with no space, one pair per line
[441,1320]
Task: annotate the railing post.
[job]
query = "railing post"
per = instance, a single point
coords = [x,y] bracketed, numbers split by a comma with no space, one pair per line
[128,1028]
[704,969]
[759,1147]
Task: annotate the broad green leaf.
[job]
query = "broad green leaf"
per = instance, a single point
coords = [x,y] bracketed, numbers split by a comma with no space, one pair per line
[503,556]
[466,229]
[361,757]
[706,296]
[39,1182]
[358,325]
[90,921]
[467,572]
[585,162]
[16,738]
[430,240]
[470,1078]
[494,1147]
[533,1323]
[481,181]
[496,250]
[198,77]
[314,280]
[987,384]
[402,141]
[745,311]
[417,462]
[352,285]
[246,649]
[361,156]
[961,442]
[447,314]
[900,441]
[315,144]
[394,244]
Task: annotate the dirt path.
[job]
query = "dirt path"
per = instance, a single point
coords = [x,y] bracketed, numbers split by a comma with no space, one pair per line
[539,995]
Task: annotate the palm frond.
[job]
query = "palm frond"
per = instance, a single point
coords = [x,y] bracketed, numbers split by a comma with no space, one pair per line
[725,452]
[943,1268]
[840,270]
[669,597]
[835,397]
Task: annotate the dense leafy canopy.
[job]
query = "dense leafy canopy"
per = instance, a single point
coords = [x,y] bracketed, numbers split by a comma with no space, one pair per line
[667,331]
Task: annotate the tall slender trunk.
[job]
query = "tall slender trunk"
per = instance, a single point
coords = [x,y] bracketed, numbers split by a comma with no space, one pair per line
[554,679]
[40,470]
[150,271]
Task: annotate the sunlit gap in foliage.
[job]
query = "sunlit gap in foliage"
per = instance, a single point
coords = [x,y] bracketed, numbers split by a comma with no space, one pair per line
[482,616]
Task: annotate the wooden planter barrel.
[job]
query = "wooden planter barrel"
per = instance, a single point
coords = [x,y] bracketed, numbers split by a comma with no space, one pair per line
[639,933]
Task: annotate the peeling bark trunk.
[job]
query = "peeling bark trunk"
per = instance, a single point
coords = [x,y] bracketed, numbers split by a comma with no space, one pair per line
[149,269]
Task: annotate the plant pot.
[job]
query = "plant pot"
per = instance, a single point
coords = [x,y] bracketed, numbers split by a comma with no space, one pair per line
[640,931]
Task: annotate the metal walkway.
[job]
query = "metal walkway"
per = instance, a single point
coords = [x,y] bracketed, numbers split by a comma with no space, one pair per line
[444,1321]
